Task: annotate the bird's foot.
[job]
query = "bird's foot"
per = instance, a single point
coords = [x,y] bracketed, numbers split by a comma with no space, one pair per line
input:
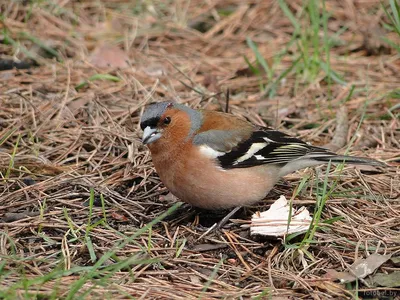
[217,227]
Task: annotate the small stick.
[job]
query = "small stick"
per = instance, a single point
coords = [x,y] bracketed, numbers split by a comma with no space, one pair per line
[227,101]
[342,128]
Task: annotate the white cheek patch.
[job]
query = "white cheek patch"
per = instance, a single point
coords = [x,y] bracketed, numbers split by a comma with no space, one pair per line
[253,149]
[210,152]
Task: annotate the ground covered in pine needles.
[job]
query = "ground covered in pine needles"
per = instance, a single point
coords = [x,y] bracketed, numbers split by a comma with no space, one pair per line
[83,213]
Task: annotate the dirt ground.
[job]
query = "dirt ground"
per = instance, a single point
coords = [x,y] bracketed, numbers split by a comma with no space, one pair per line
[83,214]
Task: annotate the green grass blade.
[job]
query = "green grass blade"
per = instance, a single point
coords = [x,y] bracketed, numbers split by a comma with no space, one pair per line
[12,159]
[104,77]
[253,69]
[332,74]
[289,15]
[94,269]
[90,248]
[396,11]
[6,135]
[42,45]
[211,278]
[260,59]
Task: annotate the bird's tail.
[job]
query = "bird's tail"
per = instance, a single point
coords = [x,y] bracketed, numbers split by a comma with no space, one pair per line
[347,159]
[323,157]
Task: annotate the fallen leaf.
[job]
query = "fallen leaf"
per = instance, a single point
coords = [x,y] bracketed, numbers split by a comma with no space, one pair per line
[108,56]
[342,276]
[155,70]
[361,268]
[168,197]
[195,279]
[12,217]
[395,260]
[387,280]
[208,247]
[274,221]
[118,217]
[78,103]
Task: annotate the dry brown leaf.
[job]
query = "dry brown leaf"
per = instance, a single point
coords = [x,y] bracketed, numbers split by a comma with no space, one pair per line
[387,280]
[208,247]
[396,260]
[118,217]
[108,56]
[168,198]
[75,105]
[360,269]
[342,276]
[155,70]
[363,267]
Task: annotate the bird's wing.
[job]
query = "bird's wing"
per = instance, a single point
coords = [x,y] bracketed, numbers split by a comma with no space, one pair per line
[263,146]
[267,146]
[222,141]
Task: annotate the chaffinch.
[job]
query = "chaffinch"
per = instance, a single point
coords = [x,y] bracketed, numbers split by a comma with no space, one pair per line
[215,160]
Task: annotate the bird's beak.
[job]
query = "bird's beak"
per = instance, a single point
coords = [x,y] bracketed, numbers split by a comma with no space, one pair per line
[150,135]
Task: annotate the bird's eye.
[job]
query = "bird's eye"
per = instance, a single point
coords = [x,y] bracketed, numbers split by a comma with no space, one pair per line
[167,120]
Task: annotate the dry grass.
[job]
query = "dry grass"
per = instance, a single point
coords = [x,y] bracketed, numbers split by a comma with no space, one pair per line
[78,187]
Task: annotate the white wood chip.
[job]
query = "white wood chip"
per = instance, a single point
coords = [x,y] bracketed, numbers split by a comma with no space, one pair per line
[274,221]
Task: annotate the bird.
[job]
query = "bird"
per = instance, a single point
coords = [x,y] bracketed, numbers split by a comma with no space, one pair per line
[215,160]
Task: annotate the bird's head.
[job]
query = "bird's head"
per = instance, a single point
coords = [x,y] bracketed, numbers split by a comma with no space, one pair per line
[165,120]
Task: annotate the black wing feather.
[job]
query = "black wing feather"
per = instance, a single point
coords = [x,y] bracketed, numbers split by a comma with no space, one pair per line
[279,149]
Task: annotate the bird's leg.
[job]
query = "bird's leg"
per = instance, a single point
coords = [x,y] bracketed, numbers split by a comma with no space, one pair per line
[217,226]
[183,212]
[221,223]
